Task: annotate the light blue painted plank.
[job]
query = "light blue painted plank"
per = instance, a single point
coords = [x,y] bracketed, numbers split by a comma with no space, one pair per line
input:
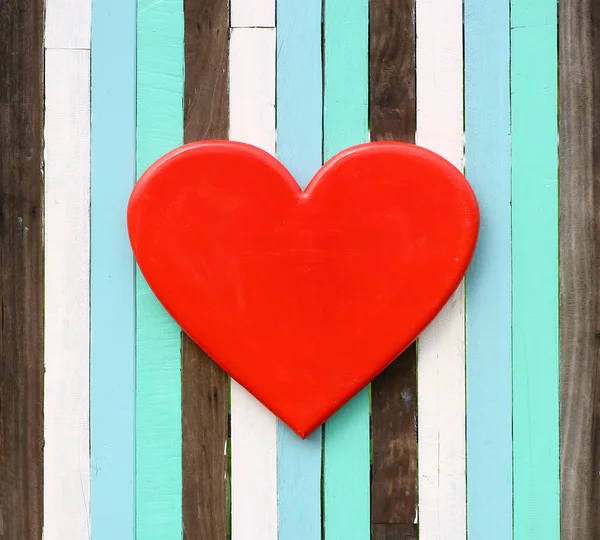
[346,105]
[488,283]
[299,88]
[299,148]
[112,309]
[160,75]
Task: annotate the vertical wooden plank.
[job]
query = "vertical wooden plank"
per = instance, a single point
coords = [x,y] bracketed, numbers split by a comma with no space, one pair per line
[393,532]
[21,269]
[579,255]
[253,13]
[66,294]
[394,392]
[441,358]
[347,439]
[299,148]
[112,271]
[205,386]
[253,427]
[160,69]
[488,283]
[68,24]
[535,269]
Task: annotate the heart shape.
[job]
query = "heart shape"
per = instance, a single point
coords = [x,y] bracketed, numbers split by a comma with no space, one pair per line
[303,297]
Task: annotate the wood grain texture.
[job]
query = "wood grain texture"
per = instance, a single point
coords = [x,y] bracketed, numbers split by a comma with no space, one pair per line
[67,294]
[160,85]
[205,386]
[441,346]
[535,357]
[394,442]
[21,270]
[488,281]
[393,532]
[253,427]
[394,392]
[300,148]
[205,416]
[346,471]
[579,158]
[112,271]
[68,24]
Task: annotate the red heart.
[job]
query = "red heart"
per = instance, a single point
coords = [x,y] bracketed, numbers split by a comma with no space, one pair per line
[303,297]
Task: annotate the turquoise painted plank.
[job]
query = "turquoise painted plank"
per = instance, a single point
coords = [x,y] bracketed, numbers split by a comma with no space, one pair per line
[160,76]
[488,283]
[535,269]
[346,105]
[112,294]
[299,148]
[347,471]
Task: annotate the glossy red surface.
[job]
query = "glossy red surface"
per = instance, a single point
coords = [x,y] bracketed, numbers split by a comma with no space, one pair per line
[303,298]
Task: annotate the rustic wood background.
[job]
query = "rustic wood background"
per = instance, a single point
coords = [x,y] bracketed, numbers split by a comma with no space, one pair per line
[113,425]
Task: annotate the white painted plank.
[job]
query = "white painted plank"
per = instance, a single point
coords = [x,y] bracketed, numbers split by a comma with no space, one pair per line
[252,13]
[66,315]
[252,87]
[441,353]
[68,24]
[253,427]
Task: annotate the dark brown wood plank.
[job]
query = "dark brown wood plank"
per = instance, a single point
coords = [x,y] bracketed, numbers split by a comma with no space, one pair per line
[21,269]
[394,392]
[579,115]
[205,385]
[394,532]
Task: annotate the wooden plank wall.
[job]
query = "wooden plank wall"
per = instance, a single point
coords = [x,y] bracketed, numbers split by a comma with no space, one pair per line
[579,90]
[488,366]
[393,116]
[205,386]
[21,269]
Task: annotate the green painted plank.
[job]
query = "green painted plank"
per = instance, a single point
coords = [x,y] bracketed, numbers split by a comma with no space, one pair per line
[535,269]
[160,72]
[345,122]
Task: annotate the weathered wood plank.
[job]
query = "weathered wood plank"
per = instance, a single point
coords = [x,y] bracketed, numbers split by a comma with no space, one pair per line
[579,123]
[394,392]
[394,442]
[21,269]
[205,386]
[393,532]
